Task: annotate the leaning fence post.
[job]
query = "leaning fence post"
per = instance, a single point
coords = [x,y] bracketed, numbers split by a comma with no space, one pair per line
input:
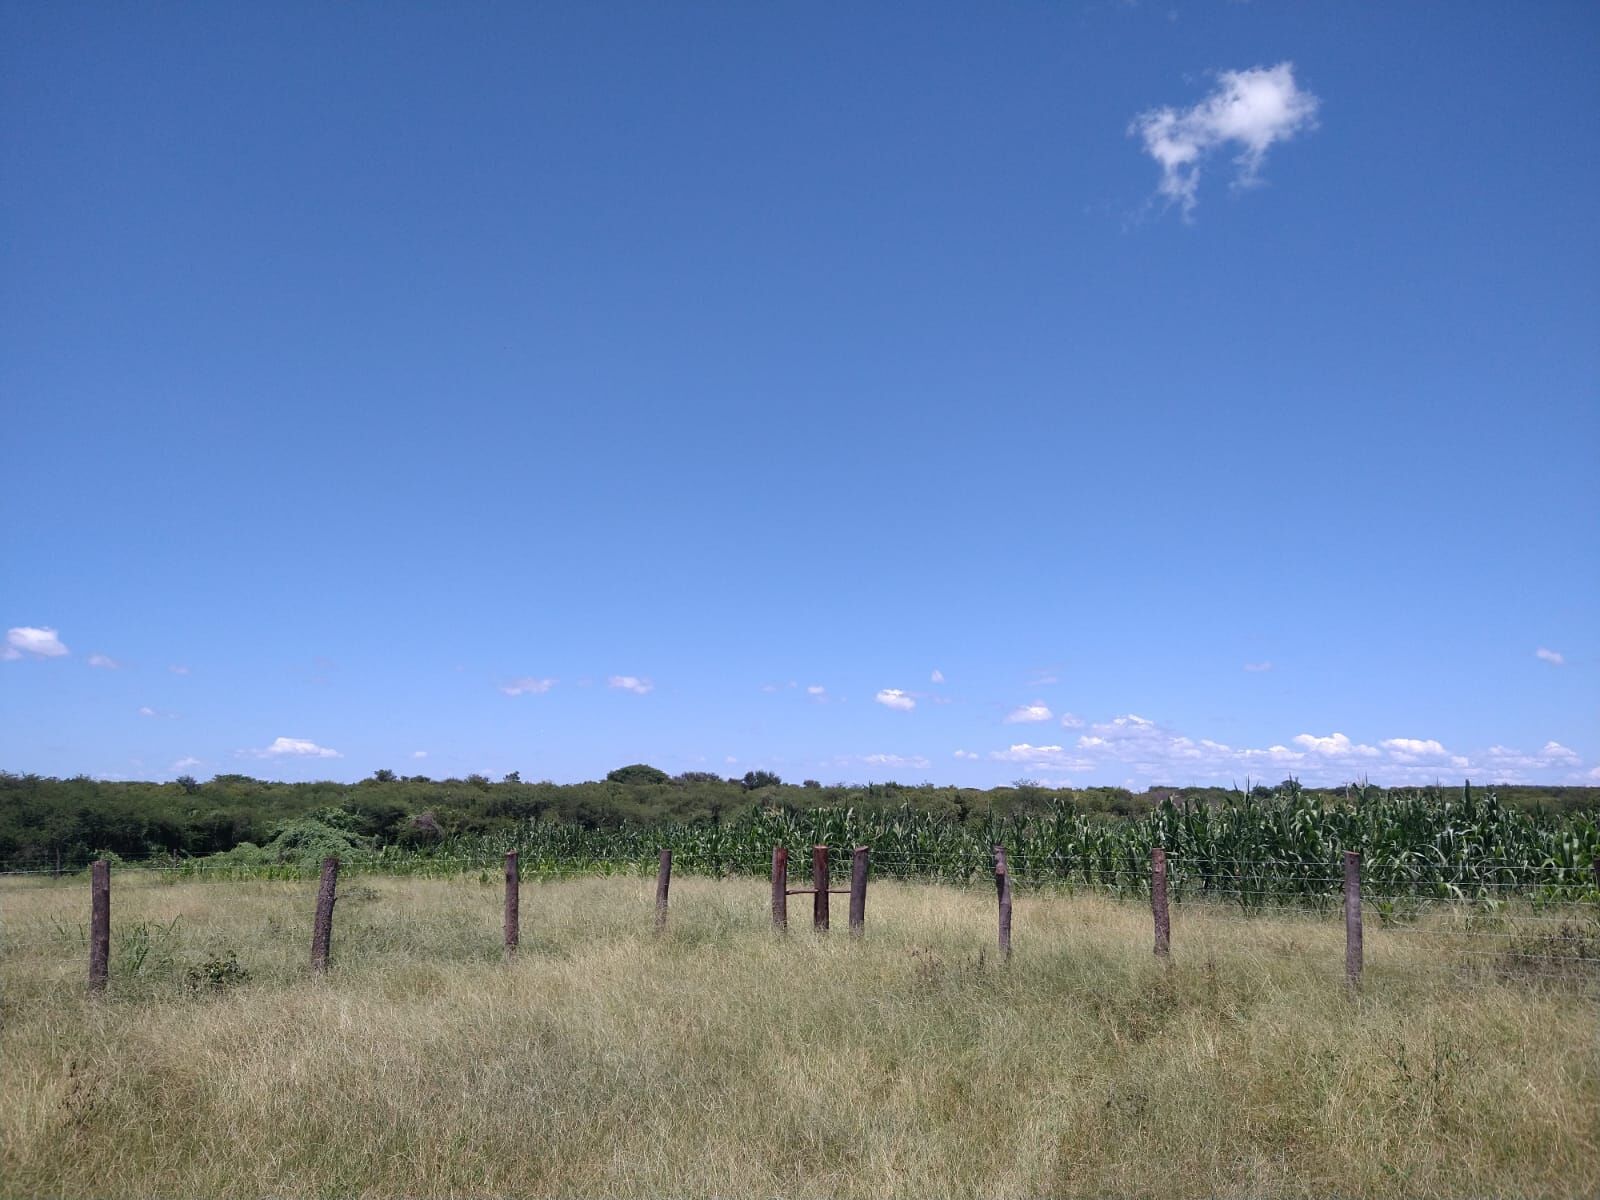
[1002,887]
[513,903]
[663,882]
[858,891]
[99,924]
[322,929]
[780,889]
[1158,901]
[819,889]
[1352,918]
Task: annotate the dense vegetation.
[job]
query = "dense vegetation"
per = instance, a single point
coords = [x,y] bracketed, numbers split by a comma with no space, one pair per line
[1269,843]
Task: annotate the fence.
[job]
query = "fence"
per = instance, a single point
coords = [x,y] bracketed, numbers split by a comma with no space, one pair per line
[1564,908]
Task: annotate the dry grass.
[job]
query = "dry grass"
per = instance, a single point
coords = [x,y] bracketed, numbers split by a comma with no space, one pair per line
[720,1060]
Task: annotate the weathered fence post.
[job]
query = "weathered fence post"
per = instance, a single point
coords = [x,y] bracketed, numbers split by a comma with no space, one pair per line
[858,891]
[663,882]
[819,889]
[1158,901]
[780,889]
[1352,918]
[99,925]
[513,930]
[322,929]
[1002,887]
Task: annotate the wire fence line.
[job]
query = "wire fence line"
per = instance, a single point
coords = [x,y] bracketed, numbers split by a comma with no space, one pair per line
[1544,928]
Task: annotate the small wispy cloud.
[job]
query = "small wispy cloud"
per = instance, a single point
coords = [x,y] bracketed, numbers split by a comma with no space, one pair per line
[419,754]
[937,676]
[966,754]
[146,711]
[527,685]
[630,683]
[1258,666]
[184,764]
[178,669]
[895,760]
[896,699]
[1071,721]
[1249,111]
[104,662]
[816,689]
[30,641]
[285,747]
[1037,711]
[1554,657]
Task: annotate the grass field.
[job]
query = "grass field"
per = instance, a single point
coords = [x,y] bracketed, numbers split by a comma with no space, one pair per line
[722,1060]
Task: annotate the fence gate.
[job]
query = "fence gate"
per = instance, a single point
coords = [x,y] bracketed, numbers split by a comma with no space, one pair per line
[819,890]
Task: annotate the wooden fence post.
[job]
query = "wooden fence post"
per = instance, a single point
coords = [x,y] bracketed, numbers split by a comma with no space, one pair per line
[1158,901]
[1352,918]
[322,929]
[99,925]
[513,931]
[663,882]
[1002,887]
[858,891]
[780,889]
[819,889]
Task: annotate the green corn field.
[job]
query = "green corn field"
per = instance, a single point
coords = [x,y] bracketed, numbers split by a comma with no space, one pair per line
[1253,849]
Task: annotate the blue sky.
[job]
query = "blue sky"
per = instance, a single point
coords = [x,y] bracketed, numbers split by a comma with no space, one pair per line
[1102,393]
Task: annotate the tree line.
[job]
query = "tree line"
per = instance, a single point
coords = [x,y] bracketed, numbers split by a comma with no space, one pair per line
[63,823]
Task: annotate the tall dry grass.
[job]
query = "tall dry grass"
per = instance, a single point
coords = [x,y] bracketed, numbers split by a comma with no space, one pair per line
[720,1060]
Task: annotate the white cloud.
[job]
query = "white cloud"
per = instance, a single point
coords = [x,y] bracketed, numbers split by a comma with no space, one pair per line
[1023,752]
[1258,666]
[41,642]
[1248,111]
[1036,711]
[419,754]
[896,699]
[895,760]
[630,683]
[184,764]
[1412,749]
[527,686]
[104,661]
[293,748]
[816,689]
[1554,657]
[1138,750]
[937,676]
[178,669]
[966,754]
[1335,744]
[1071,721]
[146,711]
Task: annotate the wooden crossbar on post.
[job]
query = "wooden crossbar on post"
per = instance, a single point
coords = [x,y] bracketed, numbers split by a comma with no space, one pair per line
[513,918]
[322,928]
[663,882]
[780,889]
[99,925]
[1158,902]
[819,889]
[1352,918]
[858,890]
[1002,887]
